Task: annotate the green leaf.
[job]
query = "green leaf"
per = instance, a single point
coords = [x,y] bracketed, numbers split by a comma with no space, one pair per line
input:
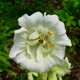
[76,3]
[11,72]
[4,63]
[62,14]
[0,70]
[68,23]
[79,22]
[34,77]
[42,76]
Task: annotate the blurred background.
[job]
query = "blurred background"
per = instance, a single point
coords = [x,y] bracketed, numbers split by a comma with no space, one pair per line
[10,10]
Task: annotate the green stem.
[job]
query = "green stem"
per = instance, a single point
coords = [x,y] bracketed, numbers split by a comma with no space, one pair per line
[30,77]
[52,76]
[42,76]
[60,77]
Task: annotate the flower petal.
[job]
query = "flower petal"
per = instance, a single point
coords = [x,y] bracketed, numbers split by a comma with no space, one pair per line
[39,56]
[53,60]
[20,57]
[42,29]
[20,37]
[31,64]
[34,35]
[15,50]
[59,28]
[65,68]
[19,43]
[67,61]
[43,65]
[21,30]
[30,21]
[63,40]
[50,20]
[59,51]
[33,42]
[29,51]
[36,18]
[24,21]
[42,51]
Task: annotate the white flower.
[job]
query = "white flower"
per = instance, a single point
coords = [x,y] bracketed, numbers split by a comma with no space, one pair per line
[40,42]
[58,71]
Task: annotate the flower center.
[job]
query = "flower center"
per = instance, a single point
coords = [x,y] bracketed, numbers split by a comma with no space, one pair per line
[41,39]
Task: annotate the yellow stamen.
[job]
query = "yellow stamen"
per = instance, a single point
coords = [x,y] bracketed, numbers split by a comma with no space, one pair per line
[41,36]
[51,45]
[49,33]
[44,42]
[33,39]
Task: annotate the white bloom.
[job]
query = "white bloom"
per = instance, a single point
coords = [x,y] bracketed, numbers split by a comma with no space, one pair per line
[40,42]
[60,71]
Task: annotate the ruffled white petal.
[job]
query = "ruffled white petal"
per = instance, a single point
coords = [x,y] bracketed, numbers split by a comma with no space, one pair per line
[53,60]
[43,65]
[59,51]
[19,42]
[24,21]
[28,51]
[21,30]
[65,68]
[30,21]
[50,20]
[15,50]
[20,57]
[63,40]
[20,37]
[43,51]
[59,28]
[67,63]
[59,71]
[39,56]
[36,18]
[32,65]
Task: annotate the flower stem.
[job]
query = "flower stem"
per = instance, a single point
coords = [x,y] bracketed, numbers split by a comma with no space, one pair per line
[52,76]
[60,77]
[42,76]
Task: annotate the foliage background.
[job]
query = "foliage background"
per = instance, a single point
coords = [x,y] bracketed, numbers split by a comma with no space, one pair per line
[10,10]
